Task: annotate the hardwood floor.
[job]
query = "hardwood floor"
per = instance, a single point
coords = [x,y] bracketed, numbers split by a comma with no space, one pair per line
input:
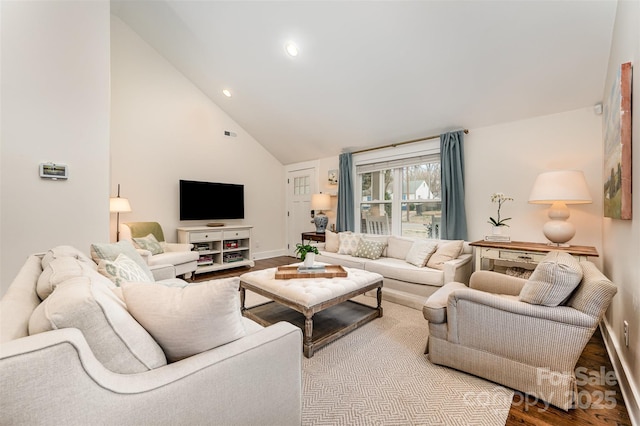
[596,371]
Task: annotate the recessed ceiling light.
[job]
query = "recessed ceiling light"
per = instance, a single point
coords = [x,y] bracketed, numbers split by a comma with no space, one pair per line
[291,49]
[227,93]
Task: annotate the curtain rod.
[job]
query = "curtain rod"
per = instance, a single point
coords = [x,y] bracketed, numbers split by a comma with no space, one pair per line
[393,145]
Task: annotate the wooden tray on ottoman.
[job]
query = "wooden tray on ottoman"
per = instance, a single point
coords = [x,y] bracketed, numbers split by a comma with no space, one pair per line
[290,272]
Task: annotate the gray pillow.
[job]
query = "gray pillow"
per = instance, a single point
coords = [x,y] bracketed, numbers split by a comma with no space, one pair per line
[553,280]
[111,252]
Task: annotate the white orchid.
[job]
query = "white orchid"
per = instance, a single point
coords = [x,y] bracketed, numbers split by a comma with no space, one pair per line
[499,198]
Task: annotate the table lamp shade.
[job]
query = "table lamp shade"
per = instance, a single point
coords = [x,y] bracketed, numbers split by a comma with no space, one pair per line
[569,186]
[560,188]
[320,202]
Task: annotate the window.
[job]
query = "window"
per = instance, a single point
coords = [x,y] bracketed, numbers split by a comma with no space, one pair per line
[301,185]
[400,197]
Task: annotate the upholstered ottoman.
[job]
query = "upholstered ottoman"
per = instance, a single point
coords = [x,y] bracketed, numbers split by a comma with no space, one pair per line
[305,301]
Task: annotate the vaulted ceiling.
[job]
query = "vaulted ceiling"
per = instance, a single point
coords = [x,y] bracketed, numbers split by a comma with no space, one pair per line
[373,73]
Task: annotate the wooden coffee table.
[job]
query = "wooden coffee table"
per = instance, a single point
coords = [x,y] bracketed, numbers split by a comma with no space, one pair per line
[321,307]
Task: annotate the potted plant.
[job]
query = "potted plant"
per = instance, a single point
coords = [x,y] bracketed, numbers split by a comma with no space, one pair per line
[499,198]
[307,253]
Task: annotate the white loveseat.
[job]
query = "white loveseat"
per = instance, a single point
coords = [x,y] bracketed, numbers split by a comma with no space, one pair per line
[59,377]
[404,282]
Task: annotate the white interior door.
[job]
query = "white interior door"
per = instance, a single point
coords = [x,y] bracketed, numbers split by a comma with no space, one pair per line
[300,185]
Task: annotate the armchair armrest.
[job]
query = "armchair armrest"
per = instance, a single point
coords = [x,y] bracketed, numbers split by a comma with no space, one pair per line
[435,308]
[146,254]
[494,282]
[458,270]
[263,367]
[176,246]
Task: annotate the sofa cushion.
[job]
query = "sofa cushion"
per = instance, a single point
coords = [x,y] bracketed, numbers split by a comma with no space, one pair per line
[398,247]
[341,259]
[188,320]
[553,280]
[447,250]
[399,269]
[66,251]
[331,241]
[420,252]
[148,243]
[122,270]
[348,243]
[115,338]
[111,252]
[369,249]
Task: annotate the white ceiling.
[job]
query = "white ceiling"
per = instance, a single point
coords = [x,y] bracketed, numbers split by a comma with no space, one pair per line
[374,73]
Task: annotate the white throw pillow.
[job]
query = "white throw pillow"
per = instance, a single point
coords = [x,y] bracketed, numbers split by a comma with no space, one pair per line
[123,270]
[420,252]
[448,250]
[115,338]
[399,247]
[348,243]
[189,320]
[331,242]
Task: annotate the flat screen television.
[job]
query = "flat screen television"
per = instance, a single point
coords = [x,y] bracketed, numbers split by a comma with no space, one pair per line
[211,200]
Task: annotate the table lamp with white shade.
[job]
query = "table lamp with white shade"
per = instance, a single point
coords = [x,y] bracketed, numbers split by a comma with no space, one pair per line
[320,202]
[118,205]
[559,188]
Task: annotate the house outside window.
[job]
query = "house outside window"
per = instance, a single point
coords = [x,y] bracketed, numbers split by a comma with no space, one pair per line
[400,197]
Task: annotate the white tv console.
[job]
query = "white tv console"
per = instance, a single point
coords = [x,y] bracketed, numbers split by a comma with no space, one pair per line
[221,247]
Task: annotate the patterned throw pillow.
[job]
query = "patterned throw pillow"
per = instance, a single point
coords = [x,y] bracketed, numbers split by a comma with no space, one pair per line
[370,249]
[111,252]
[122,270]
[149,243]
[348,243]
[420,252]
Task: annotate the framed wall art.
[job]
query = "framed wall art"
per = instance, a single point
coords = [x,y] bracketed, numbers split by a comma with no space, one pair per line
[617,147]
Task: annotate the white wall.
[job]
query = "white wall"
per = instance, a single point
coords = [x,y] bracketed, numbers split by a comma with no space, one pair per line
[164,129]
[55,107]
[622,237]
[508,157]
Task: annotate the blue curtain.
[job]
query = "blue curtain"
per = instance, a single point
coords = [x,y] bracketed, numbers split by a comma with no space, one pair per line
[345,216]
[454,218]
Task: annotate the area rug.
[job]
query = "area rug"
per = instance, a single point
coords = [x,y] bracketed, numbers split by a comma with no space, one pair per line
[378,375]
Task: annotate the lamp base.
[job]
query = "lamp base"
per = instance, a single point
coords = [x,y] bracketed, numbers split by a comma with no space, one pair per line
[559,231]
[321,221]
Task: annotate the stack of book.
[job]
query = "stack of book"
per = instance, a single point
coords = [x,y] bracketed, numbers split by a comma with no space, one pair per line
[311,269]
[498,238]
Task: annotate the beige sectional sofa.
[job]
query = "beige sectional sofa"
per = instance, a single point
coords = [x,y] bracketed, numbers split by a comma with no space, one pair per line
[406,283]
[71,352]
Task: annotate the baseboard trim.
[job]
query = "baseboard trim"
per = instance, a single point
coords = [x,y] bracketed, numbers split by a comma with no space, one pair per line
[269,254]
[625,380]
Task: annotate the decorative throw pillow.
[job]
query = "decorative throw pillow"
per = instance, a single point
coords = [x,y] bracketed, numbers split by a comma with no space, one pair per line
[420,252]
[446,251]
[115,338]
[331,242]
[66,251]
[399,247]
[369,249]
[122,270]
[149,243]
[553,280]
[348,243]
[189,320]
[111,252]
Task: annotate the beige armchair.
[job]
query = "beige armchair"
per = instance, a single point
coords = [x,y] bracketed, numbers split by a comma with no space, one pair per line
[179,255]
[486,330]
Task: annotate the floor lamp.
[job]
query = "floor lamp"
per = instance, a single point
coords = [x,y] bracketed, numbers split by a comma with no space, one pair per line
[118,205]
